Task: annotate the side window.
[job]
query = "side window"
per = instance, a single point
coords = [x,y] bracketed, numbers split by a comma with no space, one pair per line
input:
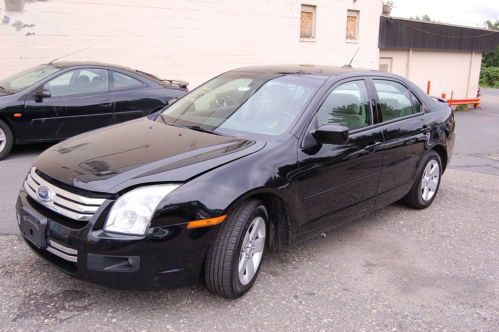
[348,105]
[416,104]
[395,100]
[122,81]
[77,82]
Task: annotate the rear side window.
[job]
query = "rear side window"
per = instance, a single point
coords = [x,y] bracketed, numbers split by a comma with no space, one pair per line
[122,81]
[395,100]
[347,105]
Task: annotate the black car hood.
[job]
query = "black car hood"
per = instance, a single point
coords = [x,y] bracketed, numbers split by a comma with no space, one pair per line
[137,152]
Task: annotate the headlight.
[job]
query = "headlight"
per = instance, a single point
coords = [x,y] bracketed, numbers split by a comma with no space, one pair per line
[132,212]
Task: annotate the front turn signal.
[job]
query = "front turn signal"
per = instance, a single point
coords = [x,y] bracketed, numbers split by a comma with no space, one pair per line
[206,222]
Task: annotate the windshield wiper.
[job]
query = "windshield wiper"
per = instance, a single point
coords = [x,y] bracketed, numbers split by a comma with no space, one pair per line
[163,117]
[198,128]
[2,88]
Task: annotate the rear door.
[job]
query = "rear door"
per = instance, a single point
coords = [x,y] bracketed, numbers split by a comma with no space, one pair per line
[80,101]
[402,120]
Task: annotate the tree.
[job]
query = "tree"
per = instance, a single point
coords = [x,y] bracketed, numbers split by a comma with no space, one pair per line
[424,18]
[491,59]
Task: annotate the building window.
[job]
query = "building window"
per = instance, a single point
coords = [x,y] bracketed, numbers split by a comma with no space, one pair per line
[385,64]
[307,22]
[352,25]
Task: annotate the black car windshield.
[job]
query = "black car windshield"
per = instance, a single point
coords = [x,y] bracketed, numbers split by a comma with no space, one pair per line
[27,78]
[242,102]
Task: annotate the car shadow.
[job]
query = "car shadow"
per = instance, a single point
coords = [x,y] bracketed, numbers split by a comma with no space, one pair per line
[20,151]
[274,268]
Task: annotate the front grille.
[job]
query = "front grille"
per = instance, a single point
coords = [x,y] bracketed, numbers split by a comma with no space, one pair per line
[61,201]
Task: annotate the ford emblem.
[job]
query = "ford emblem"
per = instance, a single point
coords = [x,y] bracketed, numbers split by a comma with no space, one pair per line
[44,193]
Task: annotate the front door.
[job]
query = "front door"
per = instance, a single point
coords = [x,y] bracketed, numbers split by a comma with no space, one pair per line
[79,101]
[339,182]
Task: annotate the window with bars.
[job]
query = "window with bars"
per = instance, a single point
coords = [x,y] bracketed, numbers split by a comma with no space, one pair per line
[307,22]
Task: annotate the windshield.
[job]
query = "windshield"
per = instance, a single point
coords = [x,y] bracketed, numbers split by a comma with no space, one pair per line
[27,78]
[244,102]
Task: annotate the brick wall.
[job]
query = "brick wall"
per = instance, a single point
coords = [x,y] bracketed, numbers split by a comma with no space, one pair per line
[185,39]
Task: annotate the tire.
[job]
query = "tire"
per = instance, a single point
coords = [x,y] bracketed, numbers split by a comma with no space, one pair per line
[419,197]
[6,140]
[225,254]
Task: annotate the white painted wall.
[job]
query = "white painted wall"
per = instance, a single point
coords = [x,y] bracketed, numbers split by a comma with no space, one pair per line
[449,72]
[191,40]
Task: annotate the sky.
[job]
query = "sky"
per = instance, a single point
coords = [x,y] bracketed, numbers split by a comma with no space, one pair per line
[463,12]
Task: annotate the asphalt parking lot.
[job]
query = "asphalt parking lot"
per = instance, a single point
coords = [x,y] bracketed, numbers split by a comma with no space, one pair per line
[398,269]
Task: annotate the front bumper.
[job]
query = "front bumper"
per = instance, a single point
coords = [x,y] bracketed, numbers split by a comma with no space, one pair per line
[168,257]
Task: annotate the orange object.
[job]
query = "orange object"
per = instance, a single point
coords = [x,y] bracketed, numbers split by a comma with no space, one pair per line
[206,222]
[428,87]
[473,101]
[18,115]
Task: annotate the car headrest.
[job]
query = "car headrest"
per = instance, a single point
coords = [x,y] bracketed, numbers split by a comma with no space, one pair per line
[97,80]
[82,81]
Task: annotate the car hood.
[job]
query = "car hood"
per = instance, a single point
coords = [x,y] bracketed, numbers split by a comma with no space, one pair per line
[142,151]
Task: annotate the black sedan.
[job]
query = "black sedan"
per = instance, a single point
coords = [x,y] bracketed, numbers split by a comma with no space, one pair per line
[58,100]
[253,160]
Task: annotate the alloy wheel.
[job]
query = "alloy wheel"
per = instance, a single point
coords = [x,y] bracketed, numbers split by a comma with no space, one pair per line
[430,180]
[3,140]
[252,250]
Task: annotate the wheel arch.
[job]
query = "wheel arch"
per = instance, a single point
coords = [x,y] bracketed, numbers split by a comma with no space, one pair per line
[280,225]
[442,152]
[4,118]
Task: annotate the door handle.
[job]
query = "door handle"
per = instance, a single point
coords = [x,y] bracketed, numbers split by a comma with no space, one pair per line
[108,104]
[372,146]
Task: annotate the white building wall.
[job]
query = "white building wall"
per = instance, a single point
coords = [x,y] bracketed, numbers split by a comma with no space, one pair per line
[191,40]
[452,73]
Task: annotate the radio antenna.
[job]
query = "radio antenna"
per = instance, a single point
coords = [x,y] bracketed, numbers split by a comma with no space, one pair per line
[65,56]
[351,60]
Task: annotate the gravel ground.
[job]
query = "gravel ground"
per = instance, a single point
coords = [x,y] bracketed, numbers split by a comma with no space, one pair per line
[398,269]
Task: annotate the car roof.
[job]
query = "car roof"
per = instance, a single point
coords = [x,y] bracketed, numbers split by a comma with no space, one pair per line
[168,83]
[304,69]
[67,64]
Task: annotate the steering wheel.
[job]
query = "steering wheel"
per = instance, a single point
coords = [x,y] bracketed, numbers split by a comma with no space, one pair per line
[225,101]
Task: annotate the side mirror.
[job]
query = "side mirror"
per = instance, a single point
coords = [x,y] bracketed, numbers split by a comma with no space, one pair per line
[172,101]
[41,94]
[331,133]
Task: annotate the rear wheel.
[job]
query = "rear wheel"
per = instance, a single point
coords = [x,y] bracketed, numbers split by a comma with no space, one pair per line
[235,256]
[6,140]
[425,187]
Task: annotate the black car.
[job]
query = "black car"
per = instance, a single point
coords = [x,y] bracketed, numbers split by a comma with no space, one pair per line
[255,159]
[58,100]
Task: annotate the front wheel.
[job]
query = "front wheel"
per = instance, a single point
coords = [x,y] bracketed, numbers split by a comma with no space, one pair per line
[6,140]
[425,187]
[235,256]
